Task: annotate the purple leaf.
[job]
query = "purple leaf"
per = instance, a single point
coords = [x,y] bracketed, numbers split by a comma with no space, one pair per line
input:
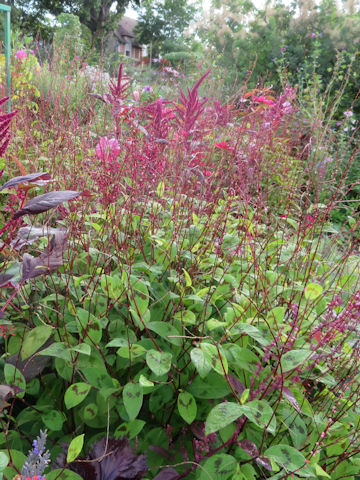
[167,474]
[160,451]
[6,392]
[31,178]
[30,368]
[249,447]
[264,462]
[290,397]
[236,384]
[28,235]
[115,460]
[122,463]
[51,259]
[45,202]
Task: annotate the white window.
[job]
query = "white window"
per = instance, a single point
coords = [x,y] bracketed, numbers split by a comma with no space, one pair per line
[128,49]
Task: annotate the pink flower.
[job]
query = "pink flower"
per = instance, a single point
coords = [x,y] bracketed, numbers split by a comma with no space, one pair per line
[263,99]
[6,330]
[136,95]
[107,149]
[223,145]
[21,55]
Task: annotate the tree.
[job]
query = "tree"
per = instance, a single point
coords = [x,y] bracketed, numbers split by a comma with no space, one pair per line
[99,16]
[68,34]
[163,22]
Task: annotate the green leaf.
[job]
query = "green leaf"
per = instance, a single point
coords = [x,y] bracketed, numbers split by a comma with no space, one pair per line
[202,366]
[313,291]
[218,467]
[4,460]
[130,429]
[138,295]
[83,348]
[113,286]
[58,350]
[158,362]
[285,456]
[187,278]
[89,326]
[34,339]
[187,317]
[75,448]
[13,376]
[213,387]
[222,415]
[160,189]
[297,429]
[215,358]
[133,352]
[133,399]
[320,472]
[118,342]
[253,332]
[61,474]
[90,411]
[76,393]
[293,359]
[276,315]
[144,382]
[53,420]
[165,330]
[260,413]
[241,357]
[186,404]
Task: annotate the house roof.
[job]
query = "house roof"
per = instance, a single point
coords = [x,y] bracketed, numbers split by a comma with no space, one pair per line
[126,29]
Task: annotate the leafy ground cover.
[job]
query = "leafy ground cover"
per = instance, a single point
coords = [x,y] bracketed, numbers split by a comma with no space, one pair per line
[176,300]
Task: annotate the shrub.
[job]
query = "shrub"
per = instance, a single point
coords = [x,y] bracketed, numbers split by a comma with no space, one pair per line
[206,308]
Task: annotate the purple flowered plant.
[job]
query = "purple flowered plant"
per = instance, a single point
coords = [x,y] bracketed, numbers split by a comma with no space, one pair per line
[38,458]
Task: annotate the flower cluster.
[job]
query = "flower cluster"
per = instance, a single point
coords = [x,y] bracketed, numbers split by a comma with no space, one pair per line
[97,79]
[107,149]
[37,459]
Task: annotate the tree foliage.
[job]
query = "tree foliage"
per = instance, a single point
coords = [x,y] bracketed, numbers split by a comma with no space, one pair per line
[99,16]
[163,22]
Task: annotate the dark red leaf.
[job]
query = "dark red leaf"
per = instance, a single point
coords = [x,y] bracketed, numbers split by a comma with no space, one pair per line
[264,462]
[45,202]
[32,367]
[236,384]
[115,460]
[28,235]
[32,177]
[3,100]
[123,463]
[290,396]
[51,259]
[167,474]
[249,447]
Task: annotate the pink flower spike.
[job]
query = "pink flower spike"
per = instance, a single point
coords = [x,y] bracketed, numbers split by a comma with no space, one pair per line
[107,149]
[21,55]
[263,99]
[223,145]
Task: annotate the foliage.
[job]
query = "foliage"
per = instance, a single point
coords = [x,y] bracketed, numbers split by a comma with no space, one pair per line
[163,23]
[99,16]
[205,306]
[67,36]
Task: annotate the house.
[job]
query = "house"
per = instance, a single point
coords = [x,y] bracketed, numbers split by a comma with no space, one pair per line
[123,40]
